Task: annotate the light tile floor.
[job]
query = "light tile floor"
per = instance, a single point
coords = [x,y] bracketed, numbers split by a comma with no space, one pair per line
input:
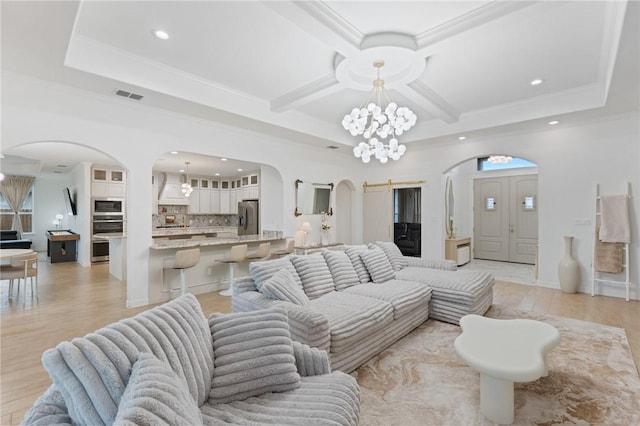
[504,271]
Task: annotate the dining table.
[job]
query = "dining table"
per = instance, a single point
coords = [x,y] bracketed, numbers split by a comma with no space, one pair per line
[7,254]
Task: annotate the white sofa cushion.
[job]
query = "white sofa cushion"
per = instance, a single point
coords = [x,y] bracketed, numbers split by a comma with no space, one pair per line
[155,395]
[352,318]
[263,270]
[92,372]
[282,286]
[354,255]
[314,273]
[377,264]
[404,296]
[342,270]
[395,256]
[253,355]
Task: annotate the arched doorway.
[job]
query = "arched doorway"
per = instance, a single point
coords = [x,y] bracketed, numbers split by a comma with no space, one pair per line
[345,193]
[496,205]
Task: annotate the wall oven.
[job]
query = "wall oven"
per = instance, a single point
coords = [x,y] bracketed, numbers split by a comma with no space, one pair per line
[108,206]
[104,224]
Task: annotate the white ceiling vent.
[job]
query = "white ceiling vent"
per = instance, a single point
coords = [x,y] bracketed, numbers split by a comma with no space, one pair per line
[129,95]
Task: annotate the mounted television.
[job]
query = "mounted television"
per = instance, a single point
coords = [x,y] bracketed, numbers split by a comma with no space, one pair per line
[69,202]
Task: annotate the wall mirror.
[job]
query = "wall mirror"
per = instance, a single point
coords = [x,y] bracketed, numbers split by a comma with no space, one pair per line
[313,198]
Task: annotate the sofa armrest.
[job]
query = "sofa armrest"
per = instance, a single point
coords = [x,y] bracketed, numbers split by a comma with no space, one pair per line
[49,409]
[310,361]
[445,265]
[305,325]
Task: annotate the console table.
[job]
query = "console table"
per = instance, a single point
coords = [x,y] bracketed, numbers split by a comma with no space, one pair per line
[458,250]
[313,248]
[61,245]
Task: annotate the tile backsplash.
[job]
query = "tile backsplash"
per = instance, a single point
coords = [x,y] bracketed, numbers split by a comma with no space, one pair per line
[193,220]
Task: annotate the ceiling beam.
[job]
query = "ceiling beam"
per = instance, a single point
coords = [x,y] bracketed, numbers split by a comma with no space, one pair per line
[463,23]
[430,101]
[322,23]
[316,89]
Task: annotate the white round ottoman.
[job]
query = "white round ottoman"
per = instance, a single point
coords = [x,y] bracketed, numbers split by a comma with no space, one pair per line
[504,352]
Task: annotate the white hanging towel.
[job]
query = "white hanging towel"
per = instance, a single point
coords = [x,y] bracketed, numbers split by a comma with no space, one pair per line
[614,219]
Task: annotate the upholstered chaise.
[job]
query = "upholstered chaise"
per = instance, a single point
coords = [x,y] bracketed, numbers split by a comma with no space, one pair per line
[170,365]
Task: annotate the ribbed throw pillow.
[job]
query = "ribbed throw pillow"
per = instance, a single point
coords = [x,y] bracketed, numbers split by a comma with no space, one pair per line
[282,286]
[314,273]
[395,256]
[354,255]
[342,270]
[92,372]
[378,265]
[262,271]
[253,355]
[155,395]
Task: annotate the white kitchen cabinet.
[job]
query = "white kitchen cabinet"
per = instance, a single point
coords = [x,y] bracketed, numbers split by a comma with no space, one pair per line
[107,183]
[225,204]
[233,201]
[205,196]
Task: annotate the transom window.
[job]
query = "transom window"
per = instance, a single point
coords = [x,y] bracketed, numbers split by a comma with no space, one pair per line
[502,163]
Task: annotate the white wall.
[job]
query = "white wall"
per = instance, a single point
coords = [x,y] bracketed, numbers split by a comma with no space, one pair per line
[135,136]
[570,159]
[48,192]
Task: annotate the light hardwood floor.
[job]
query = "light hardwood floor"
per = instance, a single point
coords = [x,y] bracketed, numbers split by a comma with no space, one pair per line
[75,301]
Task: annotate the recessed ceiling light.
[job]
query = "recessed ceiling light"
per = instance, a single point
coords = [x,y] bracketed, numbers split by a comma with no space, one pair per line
[181,170]
[536,81]
[217,174]
[174,152]
[553,122]
[223,159]
[239,170]
[461,138]
[162,35]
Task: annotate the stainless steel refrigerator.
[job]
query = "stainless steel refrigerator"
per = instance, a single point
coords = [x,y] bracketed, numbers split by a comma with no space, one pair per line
[248,217]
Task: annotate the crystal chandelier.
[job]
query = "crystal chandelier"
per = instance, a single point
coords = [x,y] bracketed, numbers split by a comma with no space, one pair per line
[186,187]
[500,159]
[376,124]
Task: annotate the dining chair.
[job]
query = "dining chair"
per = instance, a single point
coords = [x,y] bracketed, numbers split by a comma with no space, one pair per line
[22,266]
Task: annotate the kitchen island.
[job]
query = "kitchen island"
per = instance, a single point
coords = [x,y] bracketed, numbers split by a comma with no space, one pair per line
[208,275]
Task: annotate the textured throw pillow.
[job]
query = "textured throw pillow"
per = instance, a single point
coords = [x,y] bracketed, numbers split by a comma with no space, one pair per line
[378,265]
[395,256]
[155,395]
[262,271]
[314,273]
[92,372]
[354,255]
[282,286]
[342,270]
[253,355]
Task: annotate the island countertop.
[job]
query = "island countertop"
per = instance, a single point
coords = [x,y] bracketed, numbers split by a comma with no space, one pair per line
[213,241]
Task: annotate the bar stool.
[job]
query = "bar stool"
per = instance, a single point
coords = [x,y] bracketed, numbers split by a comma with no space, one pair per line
[288,249]
[185,259]
[264,250]
[236,254]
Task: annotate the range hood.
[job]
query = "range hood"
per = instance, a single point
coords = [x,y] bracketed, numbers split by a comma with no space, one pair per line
[170,191]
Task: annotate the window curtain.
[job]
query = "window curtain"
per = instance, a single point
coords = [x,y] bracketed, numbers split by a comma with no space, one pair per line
[15,190]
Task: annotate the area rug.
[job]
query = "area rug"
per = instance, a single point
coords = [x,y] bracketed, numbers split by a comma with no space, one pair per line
[420,380]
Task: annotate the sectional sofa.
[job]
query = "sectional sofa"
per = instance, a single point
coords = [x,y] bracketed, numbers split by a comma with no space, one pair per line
[172,366]
[357,302]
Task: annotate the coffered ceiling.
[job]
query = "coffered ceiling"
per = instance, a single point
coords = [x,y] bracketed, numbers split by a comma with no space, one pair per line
[296,67]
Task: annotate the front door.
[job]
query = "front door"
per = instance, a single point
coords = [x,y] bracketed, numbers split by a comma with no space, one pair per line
[506,218]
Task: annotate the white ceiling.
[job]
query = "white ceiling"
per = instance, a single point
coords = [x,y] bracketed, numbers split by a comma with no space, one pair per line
[295,68]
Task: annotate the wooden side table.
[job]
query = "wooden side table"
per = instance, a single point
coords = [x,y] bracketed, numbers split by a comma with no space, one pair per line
[458,250]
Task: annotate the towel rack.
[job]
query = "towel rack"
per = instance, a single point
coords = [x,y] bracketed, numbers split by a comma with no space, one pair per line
[597,277]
